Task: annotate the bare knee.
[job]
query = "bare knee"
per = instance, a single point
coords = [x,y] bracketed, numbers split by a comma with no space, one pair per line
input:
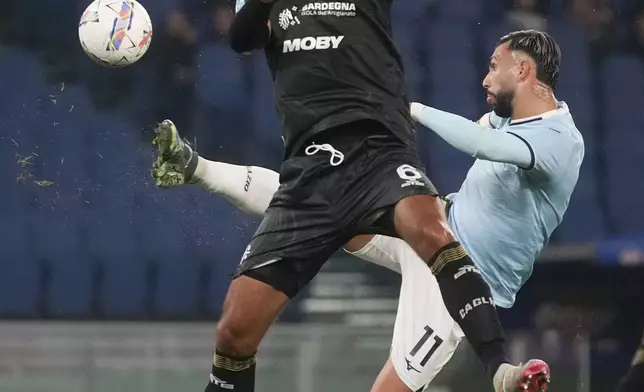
[420,221]
[250,308]
[431,236]
[234,339]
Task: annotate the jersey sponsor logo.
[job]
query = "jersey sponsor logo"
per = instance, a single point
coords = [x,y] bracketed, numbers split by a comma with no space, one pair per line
[220,383]
[286,18]
[335,8]
[475,304]
[463,270]
[312,43]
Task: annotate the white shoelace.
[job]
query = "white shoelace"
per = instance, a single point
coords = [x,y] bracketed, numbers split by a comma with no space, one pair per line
[337,157]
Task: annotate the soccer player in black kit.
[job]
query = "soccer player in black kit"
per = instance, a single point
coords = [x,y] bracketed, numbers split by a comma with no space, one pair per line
[350,167]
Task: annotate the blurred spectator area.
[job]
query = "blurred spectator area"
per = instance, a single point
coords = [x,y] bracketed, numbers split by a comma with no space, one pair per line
[78,205]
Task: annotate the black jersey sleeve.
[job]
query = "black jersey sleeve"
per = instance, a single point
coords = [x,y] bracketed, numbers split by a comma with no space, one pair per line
[250,29]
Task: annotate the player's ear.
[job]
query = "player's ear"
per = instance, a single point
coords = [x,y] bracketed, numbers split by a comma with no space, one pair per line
[524,68]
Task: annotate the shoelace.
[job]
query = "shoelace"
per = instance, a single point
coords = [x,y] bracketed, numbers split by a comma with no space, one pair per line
[337,157]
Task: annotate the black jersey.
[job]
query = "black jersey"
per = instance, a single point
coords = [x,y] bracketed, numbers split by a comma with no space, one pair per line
[335,62]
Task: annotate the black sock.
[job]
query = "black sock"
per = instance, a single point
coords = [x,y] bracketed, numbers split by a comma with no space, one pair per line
[469,301]
[232,373]
[634,380]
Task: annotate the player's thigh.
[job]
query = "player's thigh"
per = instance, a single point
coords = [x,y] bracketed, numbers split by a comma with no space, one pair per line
[250,307]
[388,380]
[420,221]
[425,335]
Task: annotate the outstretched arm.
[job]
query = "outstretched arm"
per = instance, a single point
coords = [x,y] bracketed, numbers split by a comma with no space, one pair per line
[477,140]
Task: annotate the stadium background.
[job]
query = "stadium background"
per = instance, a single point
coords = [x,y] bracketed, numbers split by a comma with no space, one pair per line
[108,283]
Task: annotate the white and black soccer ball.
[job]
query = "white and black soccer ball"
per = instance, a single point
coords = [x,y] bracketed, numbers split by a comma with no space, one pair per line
[115,33]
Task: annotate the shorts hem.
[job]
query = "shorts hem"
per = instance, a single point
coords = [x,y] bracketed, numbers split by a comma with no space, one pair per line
[403,377]
[365,249]
[259,274]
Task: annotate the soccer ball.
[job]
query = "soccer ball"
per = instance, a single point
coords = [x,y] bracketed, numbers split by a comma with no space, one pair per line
[115,33]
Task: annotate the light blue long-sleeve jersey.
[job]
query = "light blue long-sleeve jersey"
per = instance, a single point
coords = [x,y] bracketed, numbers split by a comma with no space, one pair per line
[512,200]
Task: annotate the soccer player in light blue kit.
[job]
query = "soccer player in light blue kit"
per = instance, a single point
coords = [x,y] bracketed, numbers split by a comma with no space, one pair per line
[528,152]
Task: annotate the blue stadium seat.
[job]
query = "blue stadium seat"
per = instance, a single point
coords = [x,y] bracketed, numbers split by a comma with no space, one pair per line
[56,212]
[405,11]
[557,7]
[123,271]
[71,287]
[458,47]
[446,166]
[575,87]
[407,36]
[572,40]
[159,9]
[470,10]
[19,285]
[464,100]
[126,271]
[622,89]
[15,195]
[124,285]
[20,273]
[60,246]
[493,32]
[454,78]
[163,228]
[111,215]
[623,84]
[624,8]
[221,78]
[26,82]
[459,50]
[178,285]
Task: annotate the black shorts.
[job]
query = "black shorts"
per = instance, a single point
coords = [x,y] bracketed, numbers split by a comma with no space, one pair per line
[319,207]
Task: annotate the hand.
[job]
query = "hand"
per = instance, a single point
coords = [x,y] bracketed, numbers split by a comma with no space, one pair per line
[485,121]
[415,108]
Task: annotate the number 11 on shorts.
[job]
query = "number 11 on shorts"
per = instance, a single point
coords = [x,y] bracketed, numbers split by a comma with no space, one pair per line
[423,340]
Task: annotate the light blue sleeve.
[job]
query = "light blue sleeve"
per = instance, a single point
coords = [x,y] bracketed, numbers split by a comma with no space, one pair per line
[552,146]
[478,141]
[239,4]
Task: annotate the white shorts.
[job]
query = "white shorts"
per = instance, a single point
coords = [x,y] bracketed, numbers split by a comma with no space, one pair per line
[425,335]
